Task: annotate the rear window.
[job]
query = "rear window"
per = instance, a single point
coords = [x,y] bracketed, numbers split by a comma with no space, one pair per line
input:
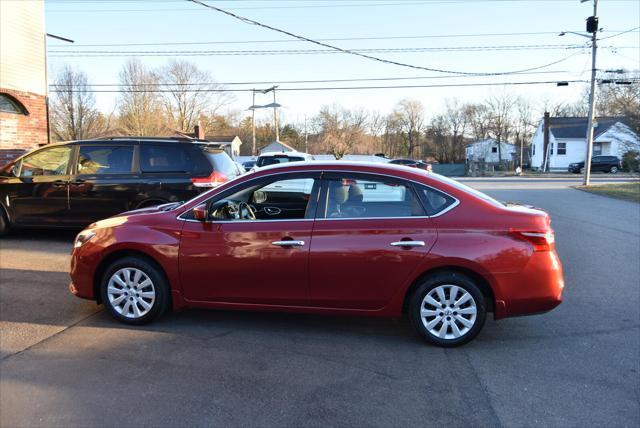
[222,163]
[272,160]
[166,158]
[467,189]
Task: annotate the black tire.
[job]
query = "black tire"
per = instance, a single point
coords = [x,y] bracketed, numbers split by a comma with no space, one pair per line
[582,170]
[445,279]
[161,302]
[613,170]
[4,223]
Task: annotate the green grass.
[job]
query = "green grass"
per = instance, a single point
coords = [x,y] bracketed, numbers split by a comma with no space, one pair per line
[626,191]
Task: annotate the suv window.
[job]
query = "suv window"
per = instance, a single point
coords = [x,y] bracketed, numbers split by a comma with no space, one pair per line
[352,197]
[105,159]
[272,160]
[166,158]
[222,163]
[49,161]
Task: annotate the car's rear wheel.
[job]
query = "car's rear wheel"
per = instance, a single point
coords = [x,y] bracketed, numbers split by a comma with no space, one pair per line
[447,309]
[582,170]
[134,291]
[613,170]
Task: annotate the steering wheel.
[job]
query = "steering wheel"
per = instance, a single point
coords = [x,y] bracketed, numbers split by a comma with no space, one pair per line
[246,211]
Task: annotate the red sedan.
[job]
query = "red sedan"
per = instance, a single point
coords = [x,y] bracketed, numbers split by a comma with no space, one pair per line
[333,238]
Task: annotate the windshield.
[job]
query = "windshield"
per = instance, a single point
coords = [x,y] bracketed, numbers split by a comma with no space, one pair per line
[272,160]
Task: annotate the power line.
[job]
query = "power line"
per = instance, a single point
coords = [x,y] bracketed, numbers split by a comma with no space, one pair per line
[292,81]
[448,36]
[371,57]
[327,88]
[317,51]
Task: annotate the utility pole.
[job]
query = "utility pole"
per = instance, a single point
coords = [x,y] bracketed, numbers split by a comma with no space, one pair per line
[253,124]
[592,27]
[275,114]
[306,139]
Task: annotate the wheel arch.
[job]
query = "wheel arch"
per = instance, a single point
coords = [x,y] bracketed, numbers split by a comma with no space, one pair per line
[480,280]
[118,254]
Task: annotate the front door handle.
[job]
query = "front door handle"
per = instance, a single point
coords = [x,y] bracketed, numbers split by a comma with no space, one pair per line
[59,183]
[408,244]
[78,181]
[288,243]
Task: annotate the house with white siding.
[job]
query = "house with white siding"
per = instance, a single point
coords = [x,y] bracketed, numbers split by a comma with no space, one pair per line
[490,151]
[567,141]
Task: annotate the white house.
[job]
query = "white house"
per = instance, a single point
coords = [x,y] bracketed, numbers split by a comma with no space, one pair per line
[230,143]
[487,151]
[277,146]
[568,141]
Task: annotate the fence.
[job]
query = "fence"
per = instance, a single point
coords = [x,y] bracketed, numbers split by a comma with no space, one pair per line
[450,169]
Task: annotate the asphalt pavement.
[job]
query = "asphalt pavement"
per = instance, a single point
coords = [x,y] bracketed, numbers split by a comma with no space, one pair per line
[65,362]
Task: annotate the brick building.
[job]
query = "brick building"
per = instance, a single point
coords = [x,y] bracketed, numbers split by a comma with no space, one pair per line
[23,78]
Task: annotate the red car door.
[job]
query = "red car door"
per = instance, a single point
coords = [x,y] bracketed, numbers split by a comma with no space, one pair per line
[255,261]
[369,235]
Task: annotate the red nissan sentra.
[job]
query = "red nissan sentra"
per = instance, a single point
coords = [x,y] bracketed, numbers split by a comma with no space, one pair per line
[333,238]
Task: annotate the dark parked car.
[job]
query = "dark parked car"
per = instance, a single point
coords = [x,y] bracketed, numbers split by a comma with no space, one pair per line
[610,164]
[412,163]
[248,165]
[335,238]
[76,183]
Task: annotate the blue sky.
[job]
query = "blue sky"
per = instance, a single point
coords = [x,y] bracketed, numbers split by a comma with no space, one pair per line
[160,22]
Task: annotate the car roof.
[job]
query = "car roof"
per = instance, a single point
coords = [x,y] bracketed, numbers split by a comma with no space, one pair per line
[297,154]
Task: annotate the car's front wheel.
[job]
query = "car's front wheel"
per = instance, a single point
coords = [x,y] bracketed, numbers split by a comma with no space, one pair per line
[613,170]
[134,291]
[447,309]
[4,223]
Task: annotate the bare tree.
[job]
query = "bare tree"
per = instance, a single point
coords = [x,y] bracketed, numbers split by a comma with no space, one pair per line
[479,120]
[139,106]
[73,107]
[501,119]
[189,93]
[408,118]
[340,129]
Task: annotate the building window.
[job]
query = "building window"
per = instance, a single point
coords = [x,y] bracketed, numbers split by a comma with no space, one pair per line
[533,150]
[494,150]
[9,104]
[562,148]
[550,148]
[597,149]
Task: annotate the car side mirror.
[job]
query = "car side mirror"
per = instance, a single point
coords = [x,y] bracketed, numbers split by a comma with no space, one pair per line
[201,213]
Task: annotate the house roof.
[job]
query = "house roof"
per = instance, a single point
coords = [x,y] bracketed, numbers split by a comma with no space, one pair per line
[488,141]
[576,127]
[221,138]
[280,143]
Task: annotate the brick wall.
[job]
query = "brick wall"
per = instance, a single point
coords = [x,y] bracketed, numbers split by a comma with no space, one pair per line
[19,132]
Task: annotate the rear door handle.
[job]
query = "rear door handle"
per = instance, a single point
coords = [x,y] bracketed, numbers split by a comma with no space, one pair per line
[78,181]
[408,244]
[288,243]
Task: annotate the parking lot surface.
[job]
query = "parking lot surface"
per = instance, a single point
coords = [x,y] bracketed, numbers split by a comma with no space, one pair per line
[65,362]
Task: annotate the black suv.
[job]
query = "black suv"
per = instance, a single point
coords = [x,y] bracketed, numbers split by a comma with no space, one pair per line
[610,164]
[76,183]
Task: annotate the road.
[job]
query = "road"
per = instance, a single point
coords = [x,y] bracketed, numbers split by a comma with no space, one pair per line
[65,362]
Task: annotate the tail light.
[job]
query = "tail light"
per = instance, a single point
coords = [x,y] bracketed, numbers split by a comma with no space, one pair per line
[214,180]
[541,241]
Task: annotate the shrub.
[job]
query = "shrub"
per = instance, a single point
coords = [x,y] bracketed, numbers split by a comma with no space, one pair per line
[631,161]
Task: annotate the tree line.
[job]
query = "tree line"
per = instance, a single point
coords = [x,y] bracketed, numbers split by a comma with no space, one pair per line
[174,98]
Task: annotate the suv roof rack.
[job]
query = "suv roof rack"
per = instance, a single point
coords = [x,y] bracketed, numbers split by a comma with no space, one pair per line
[169,139]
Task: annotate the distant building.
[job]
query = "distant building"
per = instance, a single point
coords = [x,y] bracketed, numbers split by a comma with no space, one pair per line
[487,151]
[567,141]
[277,146]
[23,78]
[230,143]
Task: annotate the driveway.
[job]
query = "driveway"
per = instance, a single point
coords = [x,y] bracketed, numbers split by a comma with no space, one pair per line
[66,363]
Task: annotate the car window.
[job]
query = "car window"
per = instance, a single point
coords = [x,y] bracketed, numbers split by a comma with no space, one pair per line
[105,159]
[434,200]
[50,161]
[353,197]
[222,163]
[278,200]
[166,158]
[272,160]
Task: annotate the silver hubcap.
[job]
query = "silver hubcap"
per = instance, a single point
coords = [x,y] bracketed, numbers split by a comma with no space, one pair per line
[448,312]
[131,292]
